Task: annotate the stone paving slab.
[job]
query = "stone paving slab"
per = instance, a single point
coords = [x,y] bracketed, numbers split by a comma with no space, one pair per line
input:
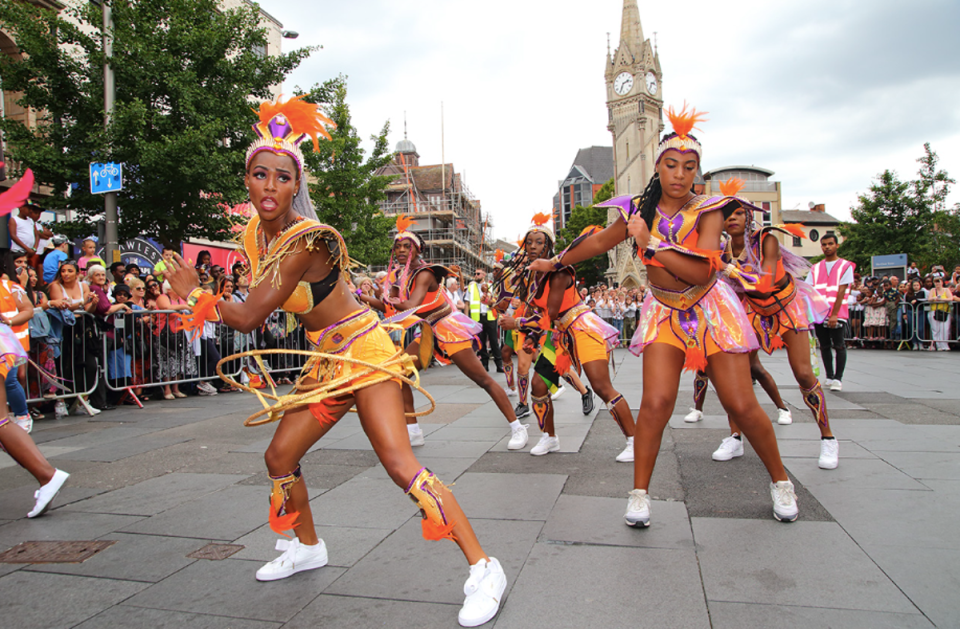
[576,586]
[929,576]
[353,612]
[156,495]
[227,588]
[835,403]
[812,564]
[407,567]
[66,600]
[509,496]
[20,501]
[747,616]
[122,449]
[798,449]
[447,469]
[65,527]
[49,452]
[148,558]
[866,473]
[926,465]
[365,503]
[599,522]
[129,617]
[222,515]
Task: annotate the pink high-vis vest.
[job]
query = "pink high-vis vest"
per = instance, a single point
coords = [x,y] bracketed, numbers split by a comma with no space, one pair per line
[827,284]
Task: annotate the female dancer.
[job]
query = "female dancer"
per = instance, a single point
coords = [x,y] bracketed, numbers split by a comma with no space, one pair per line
[301,265]
[412,294]
[782,309]
[583,338]
[14,440]
[689,320]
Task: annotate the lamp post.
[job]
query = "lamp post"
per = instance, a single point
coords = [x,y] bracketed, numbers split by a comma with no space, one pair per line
[112,251]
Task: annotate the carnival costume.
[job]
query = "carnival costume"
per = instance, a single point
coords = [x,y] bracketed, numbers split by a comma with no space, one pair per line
[699,320]
[351,354]
[576,336]
[452,331]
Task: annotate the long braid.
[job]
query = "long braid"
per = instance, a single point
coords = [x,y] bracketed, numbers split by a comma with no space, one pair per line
[649,199]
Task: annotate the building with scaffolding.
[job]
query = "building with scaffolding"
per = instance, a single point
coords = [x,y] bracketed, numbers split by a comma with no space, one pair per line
[446,214]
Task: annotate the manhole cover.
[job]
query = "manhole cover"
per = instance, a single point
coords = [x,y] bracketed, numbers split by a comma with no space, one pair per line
[216,552]
[53,552]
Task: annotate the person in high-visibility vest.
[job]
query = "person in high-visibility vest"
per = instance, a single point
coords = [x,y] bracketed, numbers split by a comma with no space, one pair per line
[479,300]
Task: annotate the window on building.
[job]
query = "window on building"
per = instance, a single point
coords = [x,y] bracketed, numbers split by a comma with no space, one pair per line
[814,235]
[768,217]
[643,109]
[260,50]
[797,241]
[628,150]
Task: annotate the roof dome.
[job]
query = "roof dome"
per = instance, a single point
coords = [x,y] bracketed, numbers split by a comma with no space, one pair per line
[406,146]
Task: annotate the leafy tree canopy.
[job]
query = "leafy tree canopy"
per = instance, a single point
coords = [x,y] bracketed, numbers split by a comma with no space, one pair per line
[908,217]
[590,271]
[186,73]
[344,187]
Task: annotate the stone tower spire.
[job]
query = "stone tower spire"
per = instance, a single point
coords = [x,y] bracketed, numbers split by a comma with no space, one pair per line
[631,33]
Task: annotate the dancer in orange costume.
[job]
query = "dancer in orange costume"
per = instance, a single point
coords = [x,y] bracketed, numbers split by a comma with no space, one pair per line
[689,320]
[301,265]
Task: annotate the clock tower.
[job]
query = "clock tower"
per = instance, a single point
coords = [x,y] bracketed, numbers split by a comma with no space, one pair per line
[635,118]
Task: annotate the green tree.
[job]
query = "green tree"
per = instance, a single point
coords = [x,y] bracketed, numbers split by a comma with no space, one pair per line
[908,217]
[346,190]
[590,271]
[185,75]
[605,192]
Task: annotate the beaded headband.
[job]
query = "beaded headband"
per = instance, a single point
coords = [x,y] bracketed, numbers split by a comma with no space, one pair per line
[542,223]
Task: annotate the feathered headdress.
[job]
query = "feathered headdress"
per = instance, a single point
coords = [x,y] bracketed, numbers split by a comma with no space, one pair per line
[285,125]
[683,122]
[731,187]
[404,223]
[542,223]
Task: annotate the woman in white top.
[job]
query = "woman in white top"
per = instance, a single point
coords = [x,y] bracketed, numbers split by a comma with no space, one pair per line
[23,231]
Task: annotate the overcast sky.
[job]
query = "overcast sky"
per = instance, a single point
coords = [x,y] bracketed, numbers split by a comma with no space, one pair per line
[826,93]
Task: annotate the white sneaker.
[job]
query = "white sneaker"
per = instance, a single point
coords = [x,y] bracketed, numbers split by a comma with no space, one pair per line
[836,385]
[518,438]
[545,445]
[25,422]
[47,493]
[87,408]
[638,509]
[693,416]
[512,393]
[558,393]
[827,382]
[829,454]
[416,435]
[784,417]
[484,592]
[60,409]
[729,448]
[296,558]
[627,455]
[784,501]
[205,388]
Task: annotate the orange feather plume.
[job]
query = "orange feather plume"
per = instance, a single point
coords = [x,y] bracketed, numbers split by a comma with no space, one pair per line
[590,230]
[303,117]
[433,532]
[683,122]
[541,219]
[563,362]
[794,229]
[731,187]
[280,523]
[403,223]
[206,309]
[498,255]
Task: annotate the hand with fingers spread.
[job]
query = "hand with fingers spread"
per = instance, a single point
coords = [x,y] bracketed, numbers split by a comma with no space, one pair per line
[183,277]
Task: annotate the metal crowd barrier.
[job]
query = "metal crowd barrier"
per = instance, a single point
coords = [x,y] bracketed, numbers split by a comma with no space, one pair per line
[72,360]
[909,326]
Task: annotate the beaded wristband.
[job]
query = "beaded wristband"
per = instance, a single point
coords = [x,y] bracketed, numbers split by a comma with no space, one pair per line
[652,246]
[194,296]
[557,264]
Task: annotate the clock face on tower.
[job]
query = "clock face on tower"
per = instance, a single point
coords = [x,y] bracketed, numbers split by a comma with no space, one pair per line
[623,83]
[652,86]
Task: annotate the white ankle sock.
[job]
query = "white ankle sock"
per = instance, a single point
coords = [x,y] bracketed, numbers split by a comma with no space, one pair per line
[515,425]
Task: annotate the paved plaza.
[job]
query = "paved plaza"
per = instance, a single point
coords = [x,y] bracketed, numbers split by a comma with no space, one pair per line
[876,543]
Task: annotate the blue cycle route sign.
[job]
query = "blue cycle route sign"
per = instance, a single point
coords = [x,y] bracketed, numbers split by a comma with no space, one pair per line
[106,177]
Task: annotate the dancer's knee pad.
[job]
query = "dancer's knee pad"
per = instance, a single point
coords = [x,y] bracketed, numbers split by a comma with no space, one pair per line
[279,494]
[541,406]
[424,491]
[699,388]
[816,402]
[523,385]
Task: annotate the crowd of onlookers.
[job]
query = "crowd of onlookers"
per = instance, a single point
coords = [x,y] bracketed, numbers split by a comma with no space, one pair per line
[918,312]
[87,315]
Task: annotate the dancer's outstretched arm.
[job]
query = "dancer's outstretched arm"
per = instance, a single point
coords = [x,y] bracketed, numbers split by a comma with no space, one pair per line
[595,245]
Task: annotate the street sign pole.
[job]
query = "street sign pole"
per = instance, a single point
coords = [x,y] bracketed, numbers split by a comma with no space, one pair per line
[112,251]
